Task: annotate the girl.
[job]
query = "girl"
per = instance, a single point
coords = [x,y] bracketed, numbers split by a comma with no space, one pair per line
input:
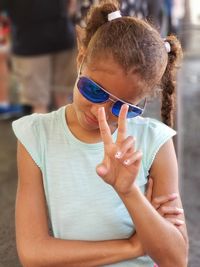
[86,165]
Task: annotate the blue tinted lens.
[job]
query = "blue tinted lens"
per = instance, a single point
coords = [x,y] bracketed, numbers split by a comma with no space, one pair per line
[91,91]
[132,111]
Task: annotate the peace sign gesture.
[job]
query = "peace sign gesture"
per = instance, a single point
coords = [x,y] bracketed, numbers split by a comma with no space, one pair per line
[121,162]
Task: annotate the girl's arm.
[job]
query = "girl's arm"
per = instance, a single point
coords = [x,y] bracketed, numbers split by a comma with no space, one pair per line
[34,244]
[165,243]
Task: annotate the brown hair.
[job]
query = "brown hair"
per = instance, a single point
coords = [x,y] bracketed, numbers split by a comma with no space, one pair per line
[137,47]
[168,81]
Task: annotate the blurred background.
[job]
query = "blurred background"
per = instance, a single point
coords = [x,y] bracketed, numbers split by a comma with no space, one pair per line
[37,53]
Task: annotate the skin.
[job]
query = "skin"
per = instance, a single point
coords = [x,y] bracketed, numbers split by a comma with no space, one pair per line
[3,78]
[94,123]
[115,170]
[114,79]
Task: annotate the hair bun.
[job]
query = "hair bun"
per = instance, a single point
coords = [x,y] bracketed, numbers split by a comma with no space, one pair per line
[98,16]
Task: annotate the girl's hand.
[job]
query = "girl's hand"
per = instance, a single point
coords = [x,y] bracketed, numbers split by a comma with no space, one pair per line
[159,204]
[121,162]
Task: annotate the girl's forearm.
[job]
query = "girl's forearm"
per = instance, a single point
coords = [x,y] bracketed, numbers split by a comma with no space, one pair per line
[160,239]
[61,253]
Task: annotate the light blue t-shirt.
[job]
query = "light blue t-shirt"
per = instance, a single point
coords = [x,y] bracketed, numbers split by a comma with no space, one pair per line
[81,205]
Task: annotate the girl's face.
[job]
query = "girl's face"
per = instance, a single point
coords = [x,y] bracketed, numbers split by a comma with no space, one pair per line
[114,80]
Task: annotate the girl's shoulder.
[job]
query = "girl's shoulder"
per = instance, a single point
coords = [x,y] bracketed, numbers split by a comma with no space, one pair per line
[149,126]
[150,135]
[33,131]
[38,122]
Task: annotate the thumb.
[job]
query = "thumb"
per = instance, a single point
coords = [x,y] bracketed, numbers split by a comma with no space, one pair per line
[149,191]
[101,170]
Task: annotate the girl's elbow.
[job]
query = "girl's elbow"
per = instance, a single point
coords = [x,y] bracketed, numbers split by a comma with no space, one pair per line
[178,260]
[29,256]
[183,257]
[26,258]
[177,263]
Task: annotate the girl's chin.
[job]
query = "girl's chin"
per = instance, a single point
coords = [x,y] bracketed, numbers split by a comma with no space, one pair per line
[87,123]
[90,121]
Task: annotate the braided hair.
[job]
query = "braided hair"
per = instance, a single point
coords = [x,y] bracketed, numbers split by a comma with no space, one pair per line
[168,82]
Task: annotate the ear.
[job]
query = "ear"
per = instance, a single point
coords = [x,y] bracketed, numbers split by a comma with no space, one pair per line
[80,34]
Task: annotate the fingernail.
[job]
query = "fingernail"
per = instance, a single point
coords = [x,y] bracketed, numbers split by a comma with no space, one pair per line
[180,222]
[126,162]
[174,195]
[150,180]
[180,210]
[118,155]
[126,106]
[101,109]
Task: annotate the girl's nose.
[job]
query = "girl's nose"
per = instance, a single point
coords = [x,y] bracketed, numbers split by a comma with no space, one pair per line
[107,106]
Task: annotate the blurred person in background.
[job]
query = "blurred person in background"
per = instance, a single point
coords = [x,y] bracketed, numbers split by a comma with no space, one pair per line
[151,10]
[178,13]
[148,9]
[165,15]
[7,108]
[43,48]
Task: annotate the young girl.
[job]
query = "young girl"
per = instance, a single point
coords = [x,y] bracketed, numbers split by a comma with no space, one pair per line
[86,165]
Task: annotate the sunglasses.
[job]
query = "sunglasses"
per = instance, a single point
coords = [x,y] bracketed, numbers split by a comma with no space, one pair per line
[96,94]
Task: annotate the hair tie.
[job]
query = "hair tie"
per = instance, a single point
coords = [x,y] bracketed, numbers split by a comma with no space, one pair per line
[167,46]
[114,15]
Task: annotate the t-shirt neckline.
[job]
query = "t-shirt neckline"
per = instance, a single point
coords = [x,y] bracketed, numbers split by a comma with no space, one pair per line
[75,140]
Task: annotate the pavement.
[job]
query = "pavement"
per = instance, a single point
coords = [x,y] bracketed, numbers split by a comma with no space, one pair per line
[8,181]
[188,150]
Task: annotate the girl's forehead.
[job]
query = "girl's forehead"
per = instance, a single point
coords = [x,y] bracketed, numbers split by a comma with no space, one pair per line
[111,76]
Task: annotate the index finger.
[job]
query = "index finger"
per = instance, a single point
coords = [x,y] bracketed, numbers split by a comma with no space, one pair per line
[122,123]
[104,128]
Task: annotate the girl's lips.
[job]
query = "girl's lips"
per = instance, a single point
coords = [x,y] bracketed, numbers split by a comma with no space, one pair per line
[91,120]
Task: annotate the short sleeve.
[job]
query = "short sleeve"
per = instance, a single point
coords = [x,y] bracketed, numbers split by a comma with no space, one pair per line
[27,132]
[157,133]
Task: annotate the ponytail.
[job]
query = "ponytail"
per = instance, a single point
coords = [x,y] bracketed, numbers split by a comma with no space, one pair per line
[168,81]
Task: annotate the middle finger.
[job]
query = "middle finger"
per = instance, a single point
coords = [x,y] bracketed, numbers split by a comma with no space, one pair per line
[122,124]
